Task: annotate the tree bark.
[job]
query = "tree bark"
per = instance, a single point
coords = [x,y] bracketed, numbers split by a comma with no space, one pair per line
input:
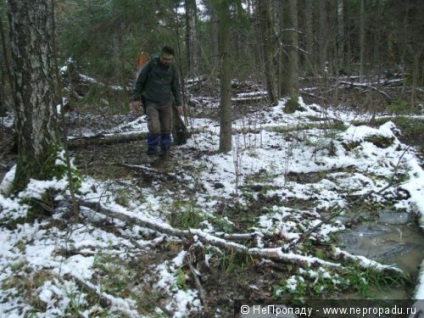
[340,36]
[267,39]
[293,52]
[5,65]
[324,35]
[310,56]
[32,69]
[225,134]
[362,41]
[191,37]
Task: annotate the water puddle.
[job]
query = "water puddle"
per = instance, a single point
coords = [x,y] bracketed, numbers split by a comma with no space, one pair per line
[394,239]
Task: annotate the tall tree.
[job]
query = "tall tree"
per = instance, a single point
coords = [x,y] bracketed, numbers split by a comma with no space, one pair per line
[5,75]
[268,40]
[293,51]
[310,57]
[3,66]
[362,41]
[191,36]
[340,43]
[324,35]
[225,135]
[31,48]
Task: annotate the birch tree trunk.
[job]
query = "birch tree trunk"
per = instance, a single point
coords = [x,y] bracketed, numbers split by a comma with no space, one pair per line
[31,65]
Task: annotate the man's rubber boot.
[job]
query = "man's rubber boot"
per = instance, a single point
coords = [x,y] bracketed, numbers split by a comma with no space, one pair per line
[165,144]
[152,144]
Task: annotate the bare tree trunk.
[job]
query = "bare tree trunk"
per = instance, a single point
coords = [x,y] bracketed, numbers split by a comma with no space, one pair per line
[118,54]
[416,73]
[31,47]
[293,52]
[362,41]
[191,37]
[420,69]
[265,27]
[3,108]
[5,70]
[2,95]
[310,57]
[340,36]
[323,35]
[225,142]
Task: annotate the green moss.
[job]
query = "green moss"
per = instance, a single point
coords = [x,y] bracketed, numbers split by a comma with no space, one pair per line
[56,167]
[380,141]
[53,167]
[351,145]
[46,169]
[292,105]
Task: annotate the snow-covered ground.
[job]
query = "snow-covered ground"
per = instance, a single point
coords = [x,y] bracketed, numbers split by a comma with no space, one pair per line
[53,270]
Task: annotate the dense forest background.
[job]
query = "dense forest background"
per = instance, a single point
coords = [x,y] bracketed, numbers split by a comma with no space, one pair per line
[275,43]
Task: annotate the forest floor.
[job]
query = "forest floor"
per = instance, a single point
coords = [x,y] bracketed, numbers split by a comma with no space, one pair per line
[247,198]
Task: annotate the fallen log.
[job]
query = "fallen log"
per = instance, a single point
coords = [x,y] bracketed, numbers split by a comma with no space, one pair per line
[106,300]
[365,86]
[200,289]
[364,262]
[102,139]
[274,254]
[249,100]
[148,172]
[179,132]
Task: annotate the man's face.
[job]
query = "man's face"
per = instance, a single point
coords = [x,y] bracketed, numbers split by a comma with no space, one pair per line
[166,59]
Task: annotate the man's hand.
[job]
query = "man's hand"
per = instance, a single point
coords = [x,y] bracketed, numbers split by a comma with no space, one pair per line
[136,106]
[180,110]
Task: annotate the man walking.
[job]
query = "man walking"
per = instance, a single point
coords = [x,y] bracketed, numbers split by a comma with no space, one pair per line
[157,86]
